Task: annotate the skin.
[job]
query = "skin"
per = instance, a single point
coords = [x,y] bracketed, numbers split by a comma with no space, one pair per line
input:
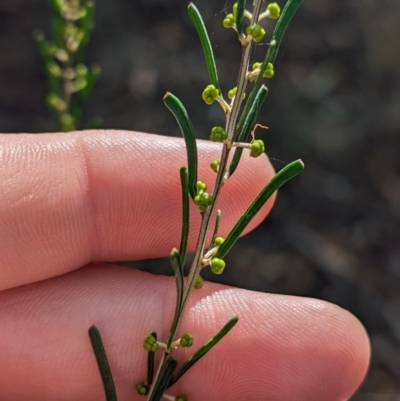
[72,201]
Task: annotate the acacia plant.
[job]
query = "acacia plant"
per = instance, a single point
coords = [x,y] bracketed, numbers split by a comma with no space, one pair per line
[241,107]
[69,79]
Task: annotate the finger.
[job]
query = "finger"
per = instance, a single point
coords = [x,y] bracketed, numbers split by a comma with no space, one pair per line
[68,199]
[283,348]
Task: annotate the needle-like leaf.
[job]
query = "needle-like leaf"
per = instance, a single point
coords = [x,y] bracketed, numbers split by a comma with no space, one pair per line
[216,228]
[102,363]
[203,350]
[163,379]
[185,215]
[244,129]
[284,175]
[182,117]
[205,43]
[277,36]
[175,259]
[150,363]
[239,16]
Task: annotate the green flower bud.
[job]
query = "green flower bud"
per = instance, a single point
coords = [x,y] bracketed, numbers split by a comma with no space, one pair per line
[201,186]
[142,388]
[214,165]
[232,93]
[257,148]
[181,398]
[186,340]
[218,134]
[55,102]
[67,122]
[256,66]
[274,10]
[269,71]
[229,21]
[217,265]
[256,31]
[199,283]
[81,70]
[203,200]
[61,55]
[210,93]
[150,344]
[54,69]
[219,240]
[234,9]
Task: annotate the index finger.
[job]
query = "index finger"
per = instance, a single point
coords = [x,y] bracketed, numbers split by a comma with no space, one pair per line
[69,199]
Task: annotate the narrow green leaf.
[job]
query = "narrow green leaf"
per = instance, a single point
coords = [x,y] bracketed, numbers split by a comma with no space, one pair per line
[79,98]
[182,117]
[44,49]
[244,129]
[239,16]
[57,23]
[277,36]
[175,259]
[164,379]
[280,28]
[216,228]
[102,363]
[185,215]
[284,175]
[203,350]
[86,24]
[205,43]
[150,363]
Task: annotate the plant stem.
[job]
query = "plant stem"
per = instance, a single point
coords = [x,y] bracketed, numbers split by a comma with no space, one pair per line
[231,121]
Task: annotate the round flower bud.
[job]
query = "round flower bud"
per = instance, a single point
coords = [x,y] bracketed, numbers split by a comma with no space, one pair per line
[199,283]
[229,21]
[232,93]
[210,93]
[150,344]
[234,9]
[218,134]
[256,31]
[219,240]
[217,265]
[201,186]
[257,148]
[142,388]
[214,165]
[256,66]
[269,71]
[186,340]
[81,70]
[204,201]
[274,10]
[54,69]
[55,102]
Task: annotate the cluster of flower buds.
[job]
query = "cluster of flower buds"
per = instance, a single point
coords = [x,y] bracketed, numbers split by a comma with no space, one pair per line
[255,32]
[218,134]
[151,344]
[210,94]
[269,71]
[215,165]
[217,265]
[257,148]
[202,199]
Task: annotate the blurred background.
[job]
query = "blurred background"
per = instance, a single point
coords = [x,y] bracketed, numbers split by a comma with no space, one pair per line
[334,233]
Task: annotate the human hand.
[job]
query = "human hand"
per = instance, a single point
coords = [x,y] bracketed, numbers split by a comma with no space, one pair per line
[69,200]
